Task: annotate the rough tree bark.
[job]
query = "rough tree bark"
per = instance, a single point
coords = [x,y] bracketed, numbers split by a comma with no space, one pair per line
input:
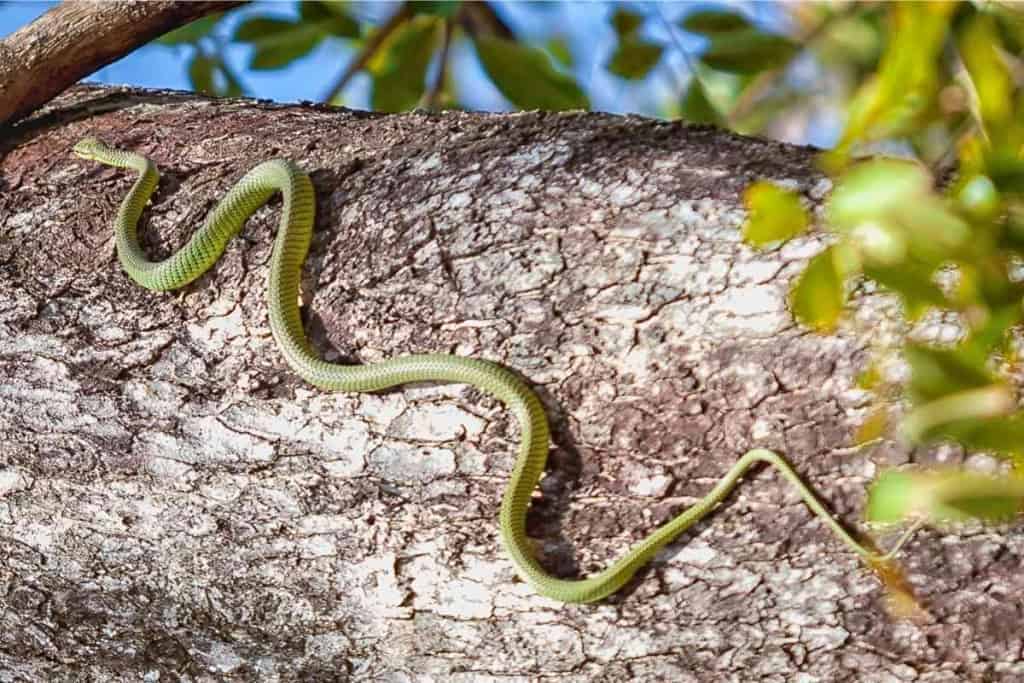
[75,39]
[176,505]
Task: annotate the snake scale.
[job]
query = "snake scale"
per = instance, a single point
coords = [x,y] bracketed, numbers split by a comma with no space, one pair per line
[289,252]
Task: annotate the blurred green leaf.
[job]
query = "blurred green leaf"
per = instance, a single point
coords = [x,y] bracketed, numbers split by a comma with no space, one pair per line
[626,23]
[438,8]
[634,58]
[748,51]
[255,29]
[890,497]
[818,296]
[697,107]
[525,76]
[854,38]
[200,72]
[979,46]
[912,282]
[1001,435]
[944,496]
[401,83]
[874,187]
[1007,172]
[898,96]
[773,214]
[278,42]
[559,49]
[712,22]
[939,372]
[190,32]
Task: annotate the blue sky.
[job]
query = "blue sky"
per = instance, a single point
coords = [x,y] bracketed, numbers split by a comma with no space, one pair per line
[584,24]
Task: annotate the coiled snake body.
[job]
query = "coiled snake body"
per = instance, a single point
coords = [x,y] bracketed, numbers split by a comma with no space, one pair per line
[289,252]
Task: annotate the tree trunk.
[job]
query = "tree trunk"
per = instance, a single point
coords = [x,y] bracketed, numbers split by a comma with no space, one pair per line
[176,505]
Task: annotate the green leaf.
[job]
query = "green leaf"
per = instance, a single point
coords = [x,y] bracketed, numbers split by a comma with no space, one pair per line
[200,73]
[1007,172]
[748,51]
[634,58]
[941,497]
[312,10]
[330,17]
[190,32]
[872,188]
[939,372]
[1001,435]
[278,41]
[626,23]
[256,29]
[773,214]
[905,86]
[889,497]
[912,282]
[559,49]
[525,76]
[979,45]
[818,296]
[401,83]
[697,106]
[438,8]
[712,22]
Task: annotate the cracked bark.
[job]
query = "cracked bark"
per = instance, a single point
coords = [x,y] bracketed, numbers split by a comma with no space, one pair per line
[175,504]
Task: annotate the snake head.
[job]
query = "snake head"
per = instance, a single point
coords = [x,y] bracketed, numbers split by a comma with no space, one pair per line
[87,147]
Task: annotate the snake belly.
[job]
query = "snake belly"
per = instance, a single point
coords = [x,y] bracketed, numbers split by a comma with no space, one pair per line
[291,245]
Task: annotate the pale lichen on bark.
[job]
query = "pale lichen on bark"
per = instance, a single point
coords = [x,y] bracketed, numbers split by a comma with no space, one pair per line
[175,502]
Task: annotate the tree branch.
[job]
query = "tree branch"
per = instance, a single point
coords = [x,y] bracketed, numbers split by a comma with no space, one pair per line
[76,38]
[374,44]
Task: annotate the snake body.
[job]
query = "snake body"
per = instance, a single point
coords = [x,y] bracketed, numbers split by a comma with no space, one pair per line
[289,252]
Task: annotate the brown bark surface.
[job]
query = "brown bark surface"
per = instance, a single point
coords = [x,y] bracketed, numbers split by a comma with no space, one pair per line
[176,505]
[78,37]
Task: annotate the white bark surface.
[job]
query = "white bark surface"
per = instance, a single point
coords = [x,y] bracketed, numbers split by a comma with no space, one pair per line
[176,505]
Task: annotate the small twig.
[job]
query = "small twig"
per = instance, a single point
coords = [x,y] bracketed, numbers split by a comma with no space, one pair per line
[432,98]
[371,48]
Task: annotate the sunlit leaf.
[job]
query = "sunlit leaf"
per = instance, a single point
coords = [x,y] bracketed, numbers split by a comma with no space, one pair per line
[874,187]
[748,51]
[773,214]
[400,85]
[190,32]
[634,58]
[890,497]
[987,70]
[943,496]
[819,294]
[711,22]
[905,85]
[525,76]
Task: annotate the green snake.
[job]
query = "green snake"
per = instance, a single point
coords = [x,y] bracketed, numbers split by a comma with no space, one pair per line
[289,252]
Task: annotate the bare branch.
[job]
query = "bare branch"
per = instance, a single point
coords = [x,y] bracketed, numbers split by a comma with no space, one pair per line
[76,38]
